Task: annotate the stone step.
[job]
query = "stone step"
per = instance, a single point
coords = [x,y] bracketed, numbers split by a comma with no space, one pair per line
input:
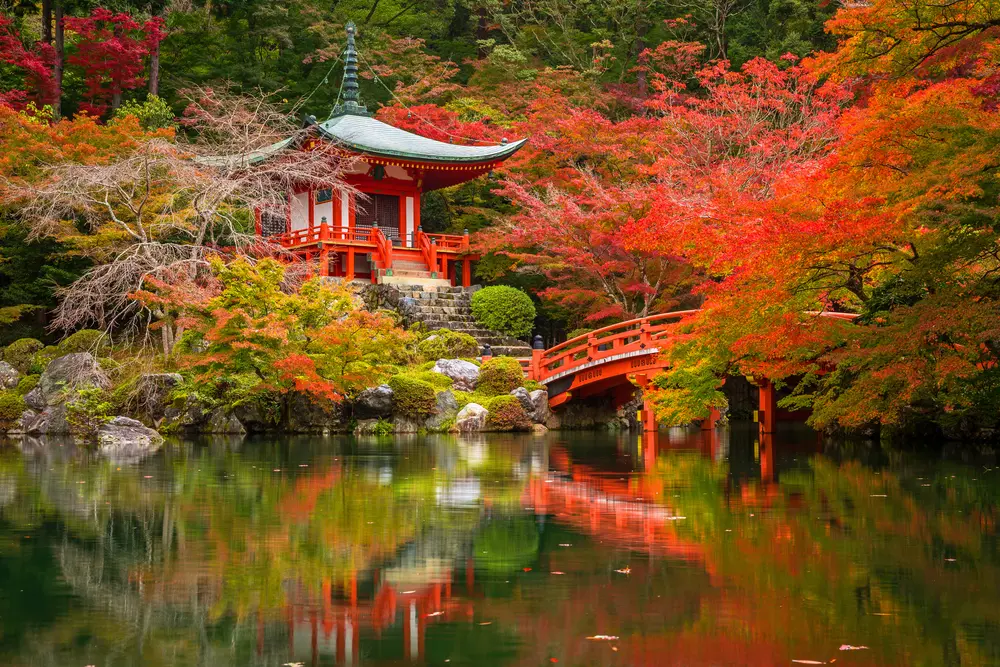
[409,281]
[445,320]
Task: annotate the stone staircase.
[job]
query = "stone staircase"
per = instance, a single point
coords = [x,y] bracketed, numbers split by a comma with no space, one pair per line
[441,307]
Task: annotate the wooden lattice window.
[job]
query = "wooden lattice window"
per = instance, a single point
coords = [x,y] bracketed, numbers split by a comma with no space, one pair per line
[272,222]
[380,211]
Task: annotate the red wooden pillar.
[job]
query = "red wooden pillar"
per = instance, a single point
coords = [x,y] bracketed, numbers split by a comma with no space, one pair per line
[257,225]
[466,273]
[324,262]
[766,457]
[768,404]
[350,264]
[647,416]
[708,424]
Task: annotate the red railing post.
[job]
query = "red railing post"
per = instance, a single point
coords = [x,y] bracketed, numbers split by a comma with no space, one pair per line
[537,351]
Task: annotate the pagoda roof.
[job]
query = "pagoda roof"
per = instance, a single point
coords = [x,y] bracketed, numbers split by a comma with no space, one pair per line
[352,127]
[367,135]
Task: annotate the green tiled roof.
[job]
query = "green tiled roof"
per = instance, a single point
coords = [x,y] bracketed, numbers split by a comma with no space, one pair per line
[368,135]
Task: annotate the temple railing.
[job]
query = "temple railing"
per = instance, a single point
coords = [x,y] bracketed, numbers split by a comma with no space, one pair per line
[383,249]
[362,236]
[428,249]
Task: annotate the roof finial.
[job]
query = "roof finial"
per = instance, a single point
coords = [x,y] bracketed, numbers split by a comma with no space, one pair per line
[352,98]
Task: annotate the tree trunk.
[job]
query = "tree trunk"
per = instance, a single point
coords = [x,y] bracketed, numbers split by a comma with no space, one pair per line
[482,33]
[154,70]
[47,21]
[60,58]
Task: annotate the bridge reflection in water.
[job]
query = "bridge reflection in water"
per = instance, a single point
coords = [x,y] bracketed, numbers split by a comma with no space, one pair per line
[615,497]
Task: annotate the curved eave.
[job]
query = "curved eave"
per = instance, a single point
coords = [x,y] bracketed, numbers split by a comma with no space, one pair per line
[501,153]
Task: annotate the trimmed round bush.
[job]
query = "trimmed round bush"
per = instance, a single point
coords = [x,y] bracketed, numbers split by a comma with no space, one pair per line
[447,344]
[504,309]
[26,384]
[500,375]
[19,353]
[11,407]
[414,398]
[84,340]
[507,414]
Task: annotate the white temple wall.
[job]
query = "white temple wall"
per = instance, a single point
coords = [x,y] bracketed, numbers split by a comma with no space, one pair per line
[300,211]
[323,210]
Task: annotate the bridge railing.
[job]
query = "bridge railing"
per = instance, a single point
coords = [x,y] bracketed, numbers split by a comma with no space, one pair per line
[617,339]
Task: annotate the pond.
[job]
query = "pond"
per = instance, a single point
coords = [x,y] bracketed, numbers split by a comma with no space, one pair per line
[684,547]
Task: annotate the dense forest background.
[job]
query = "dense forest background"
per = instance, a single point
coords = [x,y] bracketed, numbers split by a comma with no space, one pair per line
[456,54]
[767,162]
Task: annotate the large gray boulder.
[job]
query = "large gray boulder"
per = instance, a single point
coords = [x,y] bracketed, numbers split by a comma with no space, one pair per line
[69,372]
[189,415]
[471,419]
[8,376]
[50,421]
[23,424]
[223,421]
[445,409]
[375,402]
[309,415]
[35,400]
[540,411]
[124,439]
[464,374]
[535,403]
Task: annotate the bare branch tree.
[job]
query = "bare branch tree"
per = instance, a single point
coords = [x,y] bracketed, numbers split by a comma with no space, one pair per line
[162,205]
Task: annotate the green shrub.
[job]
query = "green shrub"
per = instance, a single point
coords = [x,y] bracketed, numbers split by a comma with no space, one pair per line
[446,344]
[42,359]
[504,309]
[11,407]
[19,353]
[438,380]
[577,332]
[415,398]
[532,385]
[507,414]
[85,340]
[88,411]
[500,375]
[26,384]
[383,427]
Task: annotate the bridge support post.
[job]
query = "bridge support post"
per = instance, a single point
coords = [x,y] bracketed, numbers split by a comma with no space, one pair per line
[708,424]
[466,272]
[767,405]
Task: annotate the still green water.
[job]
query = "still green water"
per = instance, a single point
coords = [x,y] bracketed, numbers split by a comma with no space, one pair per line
[688,548]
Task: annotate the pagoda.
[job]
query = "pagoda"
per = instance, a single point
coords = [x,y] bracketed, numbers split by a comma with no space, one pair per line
[377,235]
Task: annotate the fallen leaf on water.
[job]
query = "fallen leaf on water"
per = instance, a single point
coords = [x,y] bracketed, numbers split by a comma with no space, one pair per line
[848,647]
[293,664]
[486,623]
[435,613]
[603,638]
[556,572]
[624,570]
[527,569]
[878,495]
[565,545]
[809,662]
[408,592]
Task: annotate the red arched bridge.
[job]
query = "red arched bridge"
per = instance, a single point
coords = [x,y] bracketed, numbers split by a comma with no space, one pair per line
[613,360]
